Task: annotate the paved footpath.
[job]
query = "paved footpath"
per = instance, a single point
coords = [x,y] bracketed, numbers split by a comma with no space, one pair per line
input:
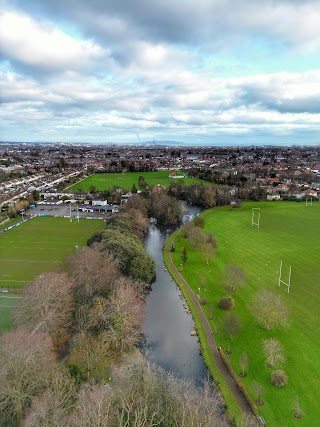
[211,341]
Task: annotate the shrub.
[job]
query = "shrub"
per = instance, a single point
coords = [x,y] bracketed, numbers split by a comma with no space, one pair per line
[199,221]
[240,385]
[228,365]
[279,378]
[248,399]
[226,303]
[203,301]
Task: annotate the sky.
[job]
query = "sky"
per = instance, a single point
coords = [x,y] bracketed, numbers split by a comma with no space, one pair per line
[196,72]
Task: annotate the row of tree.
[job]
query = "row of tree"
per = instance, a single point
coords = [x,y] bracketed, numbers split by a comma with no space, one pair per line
[270,312]
[198,194]
[122,240]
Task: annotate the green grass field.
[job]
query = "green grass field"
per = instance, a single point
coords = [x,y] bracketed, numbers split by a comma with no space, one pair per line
[7,304]
[10,222]
[40,245]
[106,181]
[289,231]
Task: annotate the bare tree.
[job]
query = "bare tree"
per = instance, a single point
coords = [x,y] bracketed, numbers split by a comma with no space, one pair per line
[243,363]
[273,352]
[140,223]
[47,306]
[154,397]
[94,272]
[52,408]
[208,246]
[139,397]
[233,277]
[230,326]
[81,317]
[199,239]
[125,314]
[91,353]
[269,310]
[209,196]
[296,406]
[136,202]
[95,407]
[258,390]
[26,363]
[211,310]
[196,235]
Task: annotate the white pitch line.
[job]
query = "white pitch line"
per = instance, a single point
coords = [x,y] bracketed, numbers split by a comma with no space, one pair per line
[24,260]
[11,280]
[42,243]
[7,306]
[3,296]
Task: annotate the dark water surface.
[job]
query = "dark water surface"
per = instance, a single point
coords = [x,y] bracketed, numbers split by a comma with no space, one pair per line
[167,326]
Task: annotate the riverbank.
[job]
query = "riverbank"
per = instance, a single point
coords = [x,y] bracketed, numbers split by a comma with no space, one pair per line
[235,402]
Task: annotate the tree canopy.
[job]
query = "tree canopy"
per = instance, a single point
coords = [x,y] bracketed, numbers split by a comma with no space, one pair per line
[128,252]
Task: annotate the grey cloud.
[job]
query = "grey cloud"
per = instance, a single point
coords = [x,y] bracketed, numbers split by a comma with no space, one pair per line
[214,23]
[268,98]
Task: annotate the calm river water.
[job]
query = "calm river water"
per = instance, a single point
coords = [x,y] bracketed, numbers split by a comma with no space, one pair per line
[167,326]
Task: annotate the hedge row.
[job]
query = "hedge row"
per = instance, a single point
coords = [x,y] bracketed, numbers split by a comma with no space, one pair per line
[228,365]
[249,401]
[240,385]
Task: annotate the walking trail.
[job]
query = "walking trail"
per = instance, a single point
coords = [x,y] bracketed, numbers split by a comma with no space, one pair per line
[211,341]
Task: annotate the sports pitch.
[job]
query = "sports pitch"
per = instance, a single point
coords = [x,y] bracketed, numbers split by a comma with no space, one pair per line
[40,245]
[7,304]
[125,181]
[290,232]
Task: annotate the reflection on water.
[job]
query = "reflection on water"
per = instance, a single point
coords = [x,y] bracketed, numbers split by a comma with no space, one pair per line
[167,326]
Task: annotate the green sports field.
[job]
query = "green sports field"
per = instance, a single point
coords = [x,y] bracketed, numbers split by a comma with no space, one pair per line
[40,245]
[7,304]
[290,232]
[125,181]
[10,222]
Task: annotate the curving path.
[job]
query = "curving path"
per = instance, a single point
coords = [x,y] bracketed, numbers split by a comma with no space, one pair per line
[211,341]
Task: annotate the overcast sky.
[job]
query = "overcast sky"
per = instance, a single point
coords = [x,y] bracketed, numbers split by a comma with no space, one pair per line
[192,71]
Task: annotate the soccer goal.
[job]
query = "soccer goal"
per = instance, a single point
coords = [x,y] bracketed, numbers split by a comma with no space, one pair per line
[255,220]
[288,284]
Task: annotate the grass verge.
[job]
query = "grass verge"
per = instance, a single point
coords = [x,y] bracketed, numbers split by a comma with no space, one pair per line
[232,407]
[289,231]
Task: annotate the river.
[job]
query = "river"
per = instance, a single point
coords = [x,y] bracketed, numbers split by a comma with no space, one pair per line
[167,326]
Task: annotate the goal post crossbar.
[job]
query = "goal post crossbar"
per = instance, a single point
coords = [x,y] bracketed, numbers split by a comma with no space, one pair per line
[288,284]
[253,217]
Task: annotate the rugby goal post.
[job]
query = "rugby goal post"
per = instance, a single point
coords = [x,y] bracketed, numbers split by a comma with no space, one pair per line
[309,201]
[288,284]
[255,220]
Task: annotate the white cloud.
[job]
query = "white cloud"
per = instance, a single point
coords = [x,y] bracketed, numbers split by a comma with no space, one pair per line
[43,45]
[136,72]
